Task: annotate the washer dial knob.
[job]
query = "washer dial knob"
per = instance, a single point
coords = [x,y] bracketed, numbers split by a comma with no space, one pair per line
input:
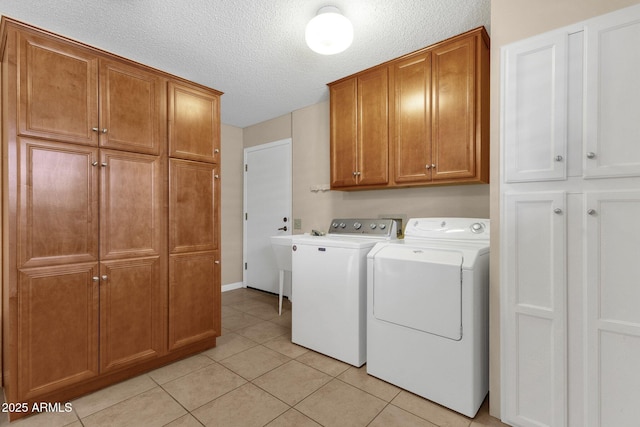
[373,226]
[357,225]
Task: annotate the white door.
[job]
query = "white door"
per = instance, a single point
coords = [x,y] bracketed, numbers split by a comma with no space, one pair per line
[267,207]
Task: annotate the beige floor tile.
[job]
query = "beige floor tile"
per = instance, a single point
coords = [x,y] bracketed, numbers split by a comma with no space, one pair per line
[45,419]
[179,369]
[292,381]
[259,308]
[392,416]
[284,319]
[293,418]
[358,377]
[254,362]
[235,296]
[263,332]
[247,406]
[229,344]
[151,408]
[341,405]
[106,397]
[323,363]
[283,344]
[239,320]
[185,421]
[430,411]
[202,386]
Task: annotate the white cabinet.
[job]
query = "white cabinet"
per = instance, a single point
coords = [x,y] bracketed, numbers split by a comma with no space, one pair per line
[570,237]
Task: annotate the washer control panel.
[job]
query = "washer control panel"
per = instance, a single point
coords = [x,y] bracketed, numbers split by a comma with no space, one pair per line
[364,226]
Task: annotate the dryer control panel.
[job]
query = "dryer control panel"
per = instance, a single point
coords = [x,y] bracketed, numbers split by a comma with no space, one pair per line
[448,228]
[363,227]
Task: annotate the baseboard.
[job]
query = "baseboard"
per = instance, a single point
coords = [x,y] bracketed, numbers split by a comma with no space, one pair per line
[232,286]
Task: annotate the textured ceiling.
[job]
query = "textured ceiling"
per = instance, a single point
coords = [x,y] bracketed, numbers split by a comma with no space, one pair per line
[252,50]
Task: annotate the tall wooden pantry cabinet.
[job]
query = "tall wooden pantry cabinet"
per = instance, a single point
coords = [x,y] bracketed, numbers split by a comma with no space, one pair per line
[570,233]
[110,217]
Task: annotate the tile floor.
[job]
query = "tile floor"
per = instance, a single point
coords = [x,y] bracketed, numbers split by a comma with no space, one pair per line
[255,377]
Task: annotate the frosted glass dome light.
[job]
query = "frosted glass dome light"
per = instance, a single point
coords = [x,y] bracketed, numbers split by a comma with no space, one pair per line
[329,32]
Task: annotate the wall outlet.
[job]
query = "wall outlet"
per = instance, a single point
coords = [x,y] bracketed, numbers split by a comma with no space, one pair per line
[297,224]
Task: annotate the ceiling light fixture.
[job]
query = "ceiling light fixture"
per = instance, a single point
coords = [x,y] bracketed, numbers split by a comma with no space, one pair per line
[329,32]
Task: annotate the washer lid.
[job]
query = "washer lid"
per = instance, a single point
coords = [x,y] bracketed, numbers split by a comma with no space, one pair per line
[338,241]
[419,288]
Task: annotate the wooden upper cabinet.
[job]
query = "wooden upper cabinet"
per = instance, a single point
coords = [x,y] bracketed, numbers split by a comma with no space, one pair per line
[410,124]
[132,113]
[359,133]
[194,123]
[454,97]
[428,125]
[58,90]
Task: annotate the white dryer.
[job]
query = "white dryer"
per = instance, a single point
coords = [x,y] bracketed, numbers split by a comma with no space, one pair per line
[329,286]
[428,311]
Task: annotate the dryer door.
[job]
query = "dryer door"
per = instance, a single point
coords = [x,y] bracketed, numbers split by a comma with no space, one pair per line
[419,288]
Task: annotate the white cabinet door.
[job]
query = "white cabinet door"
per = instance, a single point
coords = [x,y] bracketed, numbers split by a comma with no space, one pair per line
[612,95]
[534,309]
[612,223]
[535,108]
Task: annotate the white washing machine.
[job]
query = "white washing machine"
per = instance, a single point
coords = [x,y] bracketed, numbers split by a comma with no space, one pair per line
[329,287]
[428,311]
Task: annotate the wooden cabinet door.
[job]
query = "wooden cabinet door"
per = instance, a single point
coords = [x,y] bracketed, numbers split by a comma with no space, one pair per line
[132,111]
[343,117]
[194,298]
[194,123]
[454,109]
[132,200]
[373,128]
[132,316]
[57,203]
[58,90]
[410,120]
[193,206]
[58,327]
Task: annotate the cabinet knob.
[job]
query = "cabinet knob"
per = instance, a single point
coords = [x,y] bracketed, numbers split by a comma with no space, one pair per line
[591,211]
[94,163]
[95,129]
[591,155]
[104,277]
[428,167]
[217,150]
[216,176]
[104,130]
[557,210]
[217,261]
[559,158]
[103,164]
[433,166]
[96,278]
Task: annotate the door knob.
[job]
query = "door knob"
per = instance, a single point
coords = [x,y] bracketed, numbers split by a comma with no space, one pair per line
[283,228]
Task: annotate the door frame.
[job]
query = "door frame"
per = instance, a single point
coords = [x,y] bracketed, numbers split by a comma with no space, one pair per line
[289,160]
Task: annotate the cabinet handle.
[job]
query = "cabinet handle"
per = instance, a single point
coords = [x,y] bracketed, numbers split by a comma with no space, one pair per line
[216,176]
[95,129]
[358,173]
[104,130]
[96,278]
[428,166]
[558,158]
[591,211]
[355,173]
[557,210]
[103,164]
[433,166]
[217,261]
[217,150]
[591,155]
[104,277]
[94,164]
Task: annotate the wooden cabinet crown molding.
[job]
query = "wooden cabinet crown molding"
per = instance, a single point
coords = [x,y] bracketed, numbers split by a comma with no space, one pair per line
[428,125]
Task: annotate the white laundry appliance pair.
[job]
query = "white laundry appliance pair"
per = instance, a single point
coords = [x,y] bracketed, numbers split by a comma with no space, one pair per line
[428,311]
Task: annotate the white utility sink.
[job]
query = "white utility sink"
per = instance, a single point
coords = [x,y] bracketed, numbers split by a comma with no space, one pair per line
[282,249]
